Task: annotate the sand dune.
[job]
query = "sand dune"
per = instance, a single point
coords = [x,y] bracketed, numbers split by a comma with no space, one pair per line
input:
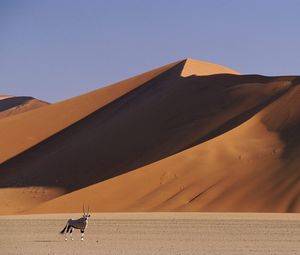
[174,139]
[21,132]
[242,170]
[14,105]
[4,96]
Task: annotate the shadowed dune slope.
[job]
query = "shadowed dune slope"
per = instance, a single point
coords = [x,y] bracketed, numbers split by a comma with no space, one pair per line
[253,167]
[165,116]
[14,105]
[21,132]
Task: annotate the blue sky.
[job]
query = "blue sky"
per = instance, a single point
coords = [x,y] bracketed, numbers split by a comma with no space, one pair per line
[56,49]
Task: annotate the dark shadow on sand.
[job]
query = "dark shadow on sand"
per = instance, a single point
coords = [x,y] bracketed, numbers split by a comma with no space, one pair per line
[8,103]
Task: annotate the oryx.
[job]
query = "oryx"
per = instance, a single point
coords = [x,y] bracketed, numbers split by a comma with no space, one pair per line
[80,223]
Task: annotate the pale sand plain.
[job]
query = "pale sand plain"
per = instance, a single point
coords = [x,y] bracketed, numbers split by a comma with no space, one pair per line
[154,233]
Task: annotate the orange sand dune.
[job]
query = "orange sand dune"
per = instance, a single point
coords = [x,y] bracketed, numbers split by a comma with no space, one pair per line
[251,168]
[177,141]
[14,105]
[21,132]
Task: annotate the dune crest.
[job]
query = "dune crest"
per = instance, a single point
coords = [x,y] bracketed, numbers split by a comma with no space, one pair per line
[196,67]
[21,132]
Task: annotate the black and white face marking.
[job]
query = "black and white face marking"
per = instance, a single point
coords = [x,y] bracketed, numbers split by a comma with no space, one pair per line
[86,216]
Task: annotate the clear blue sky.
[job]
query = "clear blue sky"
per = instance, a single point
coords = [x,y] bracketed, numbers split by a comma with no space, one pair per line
[56,49]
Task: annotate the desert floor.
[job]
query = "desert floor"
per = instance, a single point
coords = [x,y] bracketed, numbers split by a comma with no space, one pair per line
[154,233]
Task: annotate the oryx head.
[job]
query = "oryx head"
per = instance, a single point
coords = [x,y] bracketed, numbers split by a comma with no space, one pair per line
[86,215]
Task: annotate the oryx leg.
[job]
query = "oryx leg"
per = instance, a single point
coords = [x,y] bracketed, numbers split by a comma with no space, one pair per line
[71,233]
[68,229]
[82,234]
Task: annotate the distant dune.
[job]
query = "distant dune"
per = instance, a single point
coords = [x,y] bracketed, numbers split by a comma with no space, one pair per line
[189,136]
[14,105]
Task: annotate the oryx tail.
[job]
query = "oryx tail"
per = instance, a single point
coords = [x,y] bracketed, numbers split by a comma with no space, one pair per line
[63,231]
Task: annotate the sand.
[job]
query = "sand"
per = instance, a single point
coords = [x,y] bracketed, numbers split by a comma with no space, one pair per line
[168,233]
[4,96]
[10,105]
[21,132]
[199,68]
[189,136]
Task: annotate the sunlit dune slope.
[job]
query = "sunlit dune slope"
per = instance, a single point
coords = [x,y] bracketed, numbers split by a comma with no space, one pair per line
[196,67]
